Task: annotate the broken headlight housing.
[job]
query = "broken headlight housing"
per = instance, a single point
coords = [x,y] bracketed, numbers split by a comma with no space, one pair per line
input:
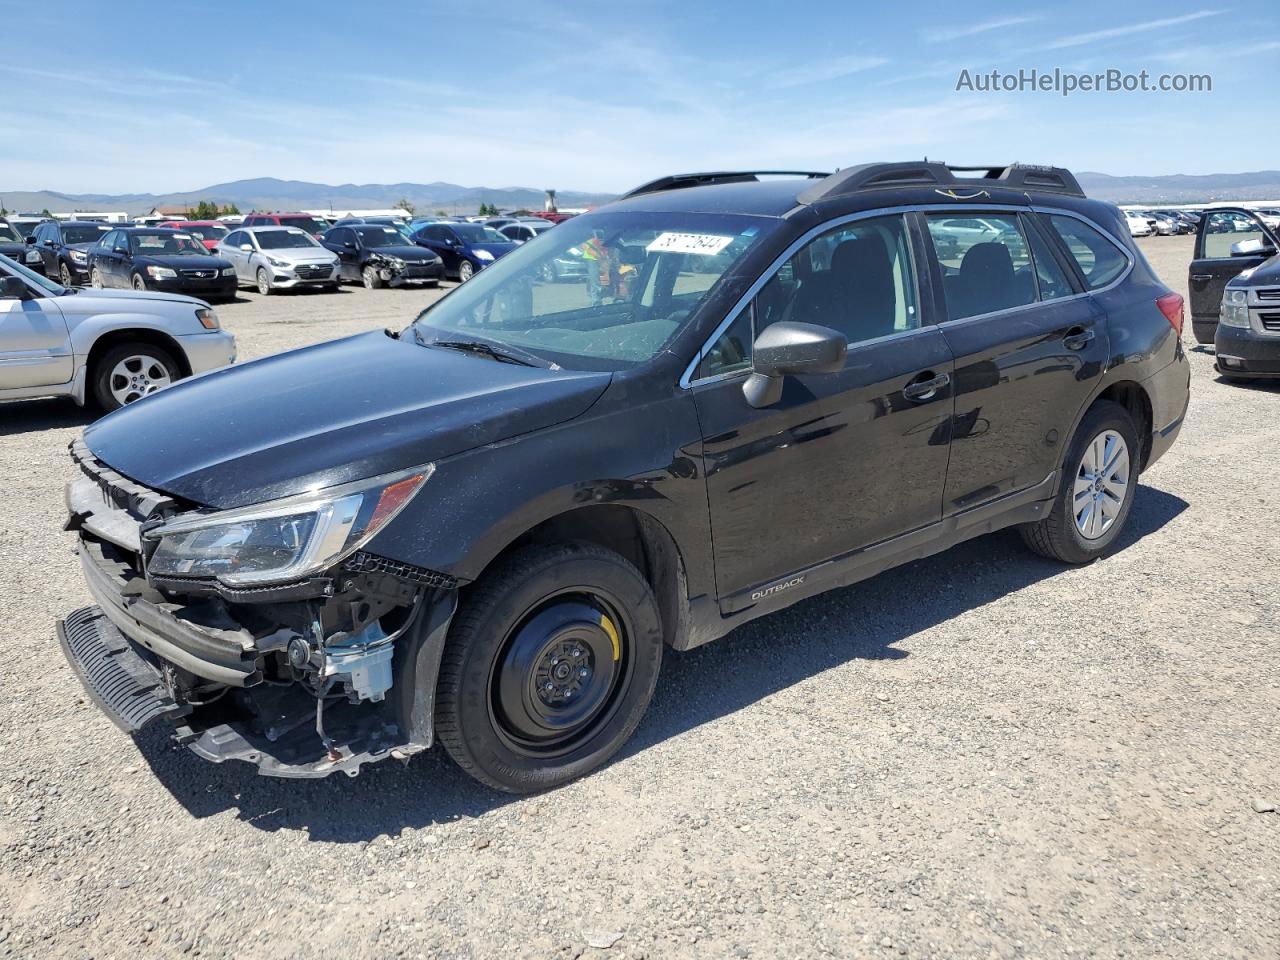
[282,540]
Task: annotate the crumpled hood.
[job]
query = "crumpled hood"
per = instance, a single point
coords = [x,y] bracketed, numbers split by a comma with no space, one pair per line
[327,414]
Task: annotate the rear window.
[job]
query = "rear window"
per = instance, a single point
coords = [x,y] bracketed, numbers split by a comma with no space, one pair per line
[302,223]
[1099,259]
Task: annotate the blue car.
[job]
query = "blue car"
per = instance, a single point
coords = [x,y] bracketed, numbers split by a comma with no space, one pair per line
[465,248]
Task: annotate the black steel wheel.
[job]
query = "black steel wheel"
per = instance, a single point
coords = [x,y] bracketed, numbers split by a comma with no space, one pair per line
[551,661]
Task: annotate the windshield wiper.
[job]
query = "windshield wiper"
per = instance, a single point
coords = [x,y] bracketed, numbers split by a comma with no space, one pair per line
[485,350]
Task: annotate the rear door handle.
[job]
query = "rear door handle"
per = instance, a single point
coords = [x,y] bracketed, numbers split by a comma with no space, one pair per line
[924,390]
[1077,338]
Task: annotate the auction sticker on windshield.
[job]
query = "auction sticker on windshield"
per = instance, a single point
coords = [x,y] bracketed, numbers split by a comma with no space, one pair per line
[706,244]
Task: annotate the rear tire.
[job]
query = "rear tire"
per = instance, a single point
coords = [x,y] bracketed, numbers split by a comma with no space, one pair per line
[550,663]
[1092,505]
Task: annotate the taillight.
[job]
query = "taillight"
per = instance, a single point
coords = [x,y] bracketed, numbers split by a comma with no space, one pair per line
[1171,306]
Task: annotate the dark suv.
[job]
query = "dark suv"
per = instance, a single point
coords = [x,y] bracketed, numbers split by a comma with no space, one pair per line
[1235,293]
[64,248]
[484,528]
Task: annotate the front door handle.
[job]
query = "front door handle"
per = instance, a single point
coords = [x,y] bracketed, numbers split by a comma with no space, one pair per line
[1078,338]
[924,390]
[1201,277]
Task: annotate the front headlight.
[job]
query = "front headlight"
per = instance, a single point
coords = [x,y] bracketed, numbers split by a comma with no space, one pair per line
[208,319]
[277,263]
[161,273]
[282,540]
[79,256]
[228,271]
[1235,308]
[484,255]
[33,256]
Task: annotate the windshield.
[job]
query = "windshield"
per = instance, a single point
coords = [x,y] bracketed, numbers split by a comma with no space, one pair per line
[474,233]
[164,244]
[33,278]
[283,239]
[380,236]
[639,277]
[302,223]
[8,233]
[207,233]
[79,234]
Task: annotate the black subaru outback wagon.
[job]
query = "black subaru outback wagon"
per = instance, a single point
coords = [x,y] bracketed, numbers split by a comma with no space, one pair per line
[485,527]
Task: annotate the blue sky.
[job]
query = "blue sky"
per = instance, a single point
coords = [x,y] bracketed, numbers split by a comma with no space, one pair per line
[157,97]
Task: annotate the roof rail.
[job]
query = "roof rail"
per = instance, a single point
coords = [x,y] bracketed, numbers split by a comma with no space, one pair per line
[678,181]
[872,176]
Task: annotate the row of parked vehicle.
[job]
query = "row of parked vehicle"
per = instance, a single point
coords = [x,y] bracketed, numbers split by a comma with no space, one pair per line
[267,251]
[1162,223]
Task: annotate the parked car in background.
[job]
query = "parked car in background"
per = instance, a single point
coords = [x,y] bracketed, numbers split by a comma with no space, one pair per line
[64,248]
[1247,339]
[1270,216]
[380,256]
[26,225]
[465,248]
[523,230]
[13,244]
[485,528]
[1230,241]
[208,232]
[397,222]
[156,258]
[1139,226]
[108,347]
[303,221]
[279,258]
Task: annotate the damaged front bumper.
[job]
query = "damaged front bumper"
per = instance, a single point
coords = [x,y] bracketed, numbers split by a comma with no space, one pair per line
[302,680]
[395,272]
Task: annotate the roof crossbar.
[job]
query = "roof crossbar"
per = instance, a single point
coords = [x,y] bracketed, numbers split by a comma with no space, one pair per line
[678,181]
[872,176]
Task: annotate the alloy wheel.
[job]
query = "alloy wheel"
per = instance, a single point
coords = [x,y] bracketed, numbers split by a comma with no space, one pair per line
[65,276]
[1101,484]
[137,376]
[465,271]
[95,279]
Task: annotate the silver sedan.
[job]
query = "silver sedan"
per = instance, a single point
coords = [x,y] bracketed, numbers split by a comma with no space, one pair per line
[279,258]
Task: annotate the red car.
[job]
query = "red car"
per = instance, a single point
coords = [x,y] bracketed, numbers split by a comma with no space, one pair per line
[303,221]
[208,232]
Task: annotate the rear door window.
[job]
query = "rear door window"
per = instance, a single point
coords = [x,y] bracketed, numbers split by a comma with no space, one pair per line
[985,262]
[1099,259]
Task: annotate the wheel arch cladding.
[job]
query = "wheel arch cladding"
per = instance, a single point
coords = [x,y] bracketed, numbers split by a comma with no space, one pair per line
[157,338]
[1134,398]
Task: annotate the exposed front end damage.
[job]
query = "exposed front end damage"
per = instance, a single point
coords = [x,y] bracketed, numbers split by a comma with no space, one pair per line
[396,271]
[303,679]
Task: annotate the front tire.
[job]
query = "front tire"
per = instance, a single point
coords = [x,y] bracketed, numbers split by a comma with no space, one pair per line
[130,372]
[138,282]
[1099,480]
[264,282]
[64,276]
[371,279]
[95,279]
[465,271]
[550,663]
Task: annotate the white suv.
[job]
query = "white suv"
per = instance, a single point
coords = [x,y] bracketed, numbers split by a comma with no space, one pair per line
[110,346]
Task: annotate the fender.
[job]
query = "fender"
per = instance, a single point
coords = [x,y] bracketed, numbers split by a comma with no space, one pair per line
[86,330]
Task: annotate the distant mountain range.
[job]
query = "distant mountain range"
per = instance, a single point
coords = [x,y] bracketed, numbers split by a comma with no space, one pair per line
[1183,188]
[268,193]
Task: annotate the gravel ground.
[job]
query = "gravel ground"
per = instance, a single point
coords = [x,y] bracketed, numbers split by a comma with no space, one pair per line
[983,754]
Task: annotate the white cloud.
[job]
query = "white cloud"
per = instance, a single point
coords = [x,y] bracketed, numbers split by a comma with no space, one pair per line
[945,34]
[1080,39]
[823,70]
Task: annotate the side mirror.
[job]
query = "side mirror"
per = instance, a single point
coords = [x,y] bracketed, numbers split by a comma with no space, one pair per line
[1252,248]
[51,243]
[30,240]
[791,349]
[247,247]
[12,288]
